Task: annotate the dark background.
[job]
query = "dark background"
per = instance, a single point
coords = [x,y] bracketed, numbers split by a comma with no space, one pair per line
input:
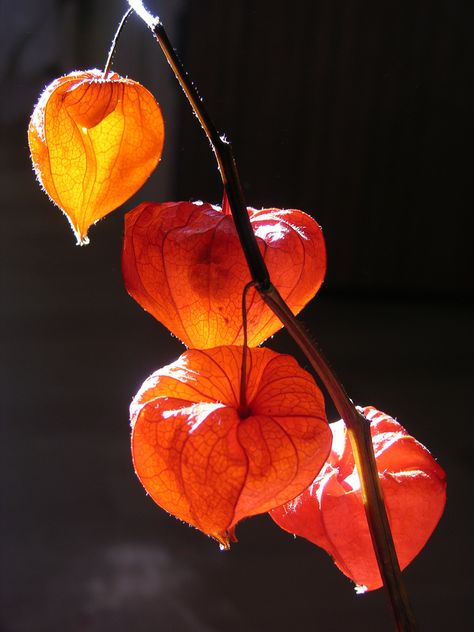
[360,114]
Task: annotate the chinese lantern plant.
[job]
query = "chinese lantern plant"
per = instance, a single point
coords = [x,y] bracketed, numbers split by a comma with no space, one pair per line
[141,264]
[94,139]
[229,431]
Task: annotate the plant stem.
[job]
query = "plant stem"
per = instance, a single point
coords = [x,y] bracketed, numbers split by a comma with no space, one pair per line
[113,46]
[243,404]
[358,427]
[361,442]
[222,151]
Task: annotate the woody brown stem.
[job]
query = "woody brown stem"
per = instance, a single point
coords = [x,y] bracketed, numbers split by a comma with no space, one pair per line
[358,427]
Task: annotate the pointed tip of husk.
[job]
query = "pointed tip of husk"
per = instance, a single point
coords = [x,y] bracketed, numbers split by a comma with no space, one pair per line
[82,240]
[225,538]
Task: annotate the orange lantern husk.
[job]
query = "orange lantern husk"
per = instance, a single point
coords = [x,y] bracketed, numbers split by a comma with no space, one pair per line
[94,141]
[183,263]
[203,460]
[330,513]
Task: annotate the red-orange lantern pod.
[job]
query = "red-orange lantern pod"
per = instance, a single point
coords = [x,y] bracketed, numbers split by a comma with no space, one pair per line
[330,512]
[210,460]
[183,263]
[94,140]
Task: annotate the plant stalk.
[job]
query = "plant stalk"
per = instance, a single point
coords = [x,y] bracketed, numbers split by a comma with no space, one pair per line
[243,404]
[113,46]
[358,427]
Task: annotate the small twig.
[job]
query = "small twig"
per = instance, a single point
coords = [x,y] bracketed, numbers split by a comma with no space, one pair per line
[113,46]
[358,427]
[243,405]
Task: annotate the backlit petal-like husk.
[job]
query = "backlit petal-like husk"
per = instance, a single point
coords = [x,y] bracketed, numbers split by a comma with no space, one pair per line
[203,461]
[93,143]
[184,264]
[331,513]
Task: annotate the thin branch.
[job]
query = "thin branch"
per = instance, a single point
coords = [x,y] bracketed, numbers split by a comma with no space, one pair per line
[243,404]
[358,427]
[113,46]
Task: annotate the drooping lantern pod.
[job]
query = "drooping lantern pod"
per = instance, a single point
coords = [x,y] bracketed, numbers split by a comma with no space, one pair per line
[94,140]
[183,263]
[211,462]
[330,512]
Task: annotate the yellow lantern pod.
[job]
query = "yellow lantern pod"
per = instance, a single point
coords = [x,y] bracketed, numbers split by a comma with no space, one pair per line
[94,141]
